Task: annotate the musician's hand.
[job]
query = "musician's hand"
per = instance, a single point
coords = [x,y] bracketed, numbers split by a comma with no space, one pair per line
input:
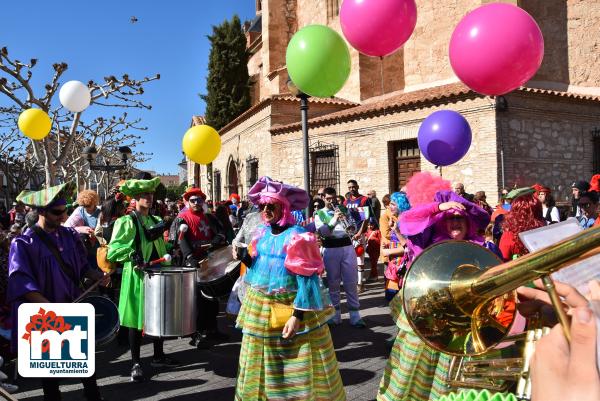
[356,236]
[451,205]
[594,286]
[563,371]
[234,252]
[338,214]
[536,301]
[85,230]
[291,327]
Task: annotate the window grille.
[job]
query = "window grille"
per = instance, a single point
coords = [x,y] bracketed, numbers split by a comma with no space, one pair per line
[325,166]
[251,172]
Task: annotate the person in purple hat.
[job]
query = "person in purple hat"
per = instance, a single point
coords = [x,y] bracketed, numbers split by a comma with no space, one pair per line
[414,371]
[286,351]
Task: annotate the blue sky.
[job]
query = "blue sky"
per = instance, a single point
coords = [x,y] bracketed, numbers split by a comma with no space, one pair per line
[97,39]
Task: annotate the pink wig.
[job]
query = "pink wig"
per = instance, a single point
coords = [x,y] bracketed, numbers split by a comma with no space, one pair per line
[422,187]
[286,213]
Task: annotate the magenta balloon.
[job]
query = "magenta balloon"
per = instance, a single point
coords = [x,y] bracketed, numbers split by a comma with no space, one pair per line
[378,27]
[496,48]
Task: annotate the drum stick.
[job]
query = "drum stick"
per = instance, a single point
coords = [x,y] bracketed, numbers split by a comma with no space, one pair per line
[166,258]
[182,230]
[93,287]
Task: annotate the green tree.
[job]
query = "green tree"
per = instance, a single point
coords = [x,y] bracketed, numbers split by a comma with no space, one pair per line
[176,191]
[228,83]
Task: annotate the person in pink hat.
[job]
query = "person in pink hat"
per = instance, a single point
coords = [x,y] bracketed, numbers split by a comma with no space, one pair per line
[285,308]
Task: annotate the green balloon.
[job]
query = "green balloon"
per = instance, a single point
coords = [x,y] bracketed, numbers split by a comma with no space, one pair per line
[318,61]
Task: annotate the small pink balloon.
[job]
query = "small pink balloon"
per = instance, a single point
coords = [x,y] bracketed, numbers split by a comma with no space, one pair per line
[496,48]
[378,27]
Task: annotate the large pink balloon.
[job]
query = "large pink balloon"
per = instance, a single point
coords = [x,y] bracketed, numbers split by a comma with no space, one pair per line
[496,48]
[378,27]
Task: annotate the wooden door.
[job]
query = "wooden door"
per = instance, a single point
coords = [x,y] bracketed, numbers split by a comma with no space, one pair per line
[405,161]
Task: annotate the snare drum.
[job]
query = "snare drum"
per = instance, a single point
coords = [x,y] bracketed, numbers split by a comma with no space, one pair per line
[216,276]
[107,318]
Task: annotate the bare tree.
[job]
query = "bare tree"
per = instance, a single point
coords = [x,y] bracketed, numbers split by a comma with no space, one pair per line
[59,154]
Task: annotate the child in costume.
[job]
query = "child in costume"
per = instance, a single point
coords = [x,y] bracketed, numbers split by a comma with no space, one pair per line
[393,248]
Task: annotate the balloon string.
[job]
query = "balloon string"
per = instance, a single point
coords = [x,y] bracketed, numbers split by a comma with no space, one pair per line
[382,82]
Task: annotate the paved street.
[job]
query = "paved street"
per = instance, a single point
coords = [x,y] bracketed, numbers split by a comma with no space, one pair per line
[210,375]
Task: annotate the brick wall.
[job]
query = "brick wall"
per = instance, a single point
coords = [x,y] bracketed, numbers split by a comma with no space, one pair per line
[571,30]
[363,148]
[547,140]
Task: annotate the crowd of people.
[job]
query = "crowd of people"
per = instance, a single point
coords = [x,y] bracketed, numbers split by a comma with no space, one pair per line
[297,253]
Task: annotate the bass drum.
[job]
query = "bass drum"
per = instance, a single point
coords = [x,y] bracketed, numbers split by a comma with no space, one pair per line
[107,318]
[218,273]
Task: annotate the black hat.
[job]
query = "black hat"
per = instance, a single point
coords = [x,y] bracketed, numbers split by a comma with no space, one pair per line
[581,185]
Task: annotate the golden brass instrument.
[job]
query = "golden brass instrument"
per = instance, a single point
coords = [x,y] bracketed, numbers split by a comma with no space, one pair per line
[453,288]
[343,220]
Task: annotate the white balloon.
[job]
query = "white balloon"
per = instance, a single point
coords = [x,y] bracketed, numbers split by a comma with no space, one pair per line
[75,96]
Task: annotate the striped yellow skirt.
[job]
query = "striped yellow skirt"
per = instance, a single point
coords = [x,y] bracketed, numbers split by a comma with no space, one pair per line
[414,371]
[271,369]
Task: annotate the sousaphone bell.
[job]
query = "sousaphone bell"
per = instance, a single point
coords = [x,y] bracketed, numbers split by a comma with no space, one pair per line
[457,295]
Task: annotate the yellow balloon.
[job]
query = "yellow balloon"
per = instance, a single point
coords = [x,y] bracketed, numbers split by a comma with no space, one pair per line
[201,144]
[35,124]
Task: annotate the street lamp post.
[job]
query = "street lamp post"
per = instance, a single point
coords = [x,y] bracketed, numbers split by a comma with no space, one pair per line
[91,152]
[304,117]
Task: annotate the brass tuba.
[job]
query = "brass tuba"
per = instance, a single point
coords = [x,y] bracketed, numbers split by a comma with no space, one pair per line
[454,293]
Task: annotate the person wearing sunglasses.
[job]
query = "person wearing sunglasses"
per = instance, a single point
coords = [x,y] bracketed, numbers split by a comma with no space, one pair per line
[36,274]
[203,230]
[588,203]
[286,350]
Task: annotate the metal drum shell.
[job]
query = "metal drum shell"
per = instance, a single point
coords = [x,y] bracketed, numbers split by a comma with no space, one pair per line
[170,301]
[217,274]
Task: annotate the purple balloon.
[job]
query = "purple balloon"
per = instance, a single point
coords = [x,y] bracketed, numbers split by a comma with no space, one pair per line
[444,137]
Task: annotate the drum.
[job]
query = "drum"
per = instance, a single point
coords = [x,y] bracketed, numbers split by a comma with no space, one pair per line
[170,301]
[107,318]
[218,273]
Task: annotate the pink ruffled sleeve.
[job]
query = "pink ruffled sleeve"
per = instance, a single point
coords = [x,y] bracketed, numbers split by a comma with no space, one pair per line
[303,257]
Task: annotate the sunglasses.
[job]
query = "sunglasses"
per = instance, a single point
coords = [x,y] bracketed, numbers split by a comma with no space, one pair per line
[268,206]
[194,200]
[57,212]
[456,218]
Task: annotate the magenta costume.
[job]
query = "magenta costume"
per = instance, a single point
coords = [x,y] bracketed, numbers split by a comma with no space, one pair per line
[425,224]
[33,268]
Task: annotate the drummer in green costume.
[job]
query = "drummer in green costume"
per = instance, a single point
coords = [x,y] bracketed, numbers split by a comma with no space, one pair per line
[135,244]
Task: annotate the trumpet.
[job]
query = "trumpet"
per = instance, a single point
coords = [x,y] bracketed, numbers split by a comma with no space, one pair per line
[348,227]
[452,291]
